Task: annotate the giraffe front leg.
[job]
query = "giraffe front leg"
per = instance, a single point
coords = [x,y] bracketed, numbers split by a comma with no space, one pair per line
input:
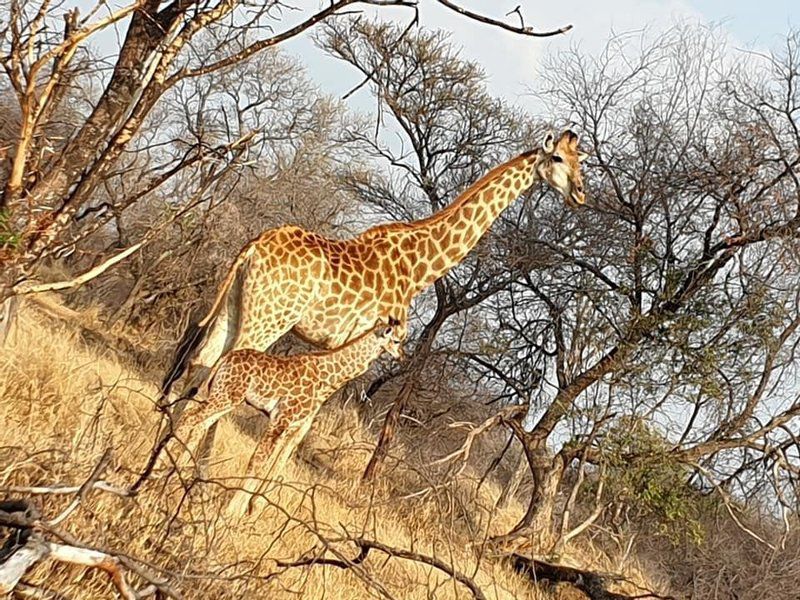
[275,463]
[194,426]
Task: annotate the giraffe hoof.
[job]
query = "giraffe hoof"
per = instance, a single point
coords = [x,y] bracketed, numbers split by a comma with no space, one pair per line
[256,506]
[239,505]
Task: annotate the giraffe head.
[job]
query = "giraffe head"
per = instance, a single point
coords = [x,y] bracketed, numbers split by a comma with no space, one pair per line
[391,336]
[559,165]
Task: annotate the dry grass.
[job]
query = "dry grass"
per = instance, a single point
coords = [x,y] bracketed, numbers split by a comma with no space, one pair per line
[62,404]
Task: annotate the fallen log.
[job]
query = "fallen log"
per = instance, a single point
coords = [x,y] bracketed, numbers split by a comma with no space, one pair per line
[591,583]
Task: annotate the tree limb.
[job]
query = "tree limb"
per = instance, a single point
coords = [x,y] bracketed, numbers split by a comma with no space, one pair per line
[521,29]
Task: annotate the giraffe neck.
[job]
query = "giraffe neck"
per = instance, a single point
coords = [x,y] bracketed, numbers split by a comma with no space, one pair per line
[443,240]
[349,361]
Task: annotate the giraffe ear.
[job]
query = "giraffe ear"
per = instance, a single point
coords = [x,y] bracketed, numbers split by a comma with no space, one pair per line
[549,143]
[582,156]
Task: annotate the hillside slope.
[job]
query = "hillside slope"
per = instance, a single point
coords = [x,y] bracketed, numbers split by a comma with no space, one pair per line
[65,401]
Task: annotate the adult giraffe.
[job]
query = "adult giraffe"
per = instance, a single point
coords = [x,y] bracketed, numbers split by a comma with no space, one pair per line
[331,291]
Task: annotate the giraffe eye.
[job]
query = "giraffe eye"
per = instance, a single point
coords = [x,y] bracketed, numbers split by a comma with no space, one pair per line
[557,158]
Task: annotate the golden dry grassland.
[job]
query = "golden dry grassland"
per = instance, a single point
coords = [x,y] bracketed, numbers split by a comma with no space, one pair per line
[65,401]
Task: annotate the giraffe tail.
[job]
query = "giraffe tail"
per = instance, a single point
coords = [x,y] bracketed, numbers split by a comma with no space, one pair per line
[191,339]
[196,332]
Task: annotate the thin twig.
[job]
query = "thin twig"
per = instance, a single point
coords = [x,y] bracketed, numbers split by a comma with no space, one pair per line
[85,488]
[726,501]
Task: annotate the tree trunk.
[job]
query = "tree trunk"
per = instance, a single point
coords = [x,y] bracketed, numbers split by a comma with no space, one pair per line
[547,471]
[417,363]
[143,36]
[388,430]
[538,520]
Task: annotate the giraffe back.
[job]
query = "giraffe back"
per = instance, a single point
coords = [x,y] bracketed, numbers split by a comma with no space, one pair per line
[298,384]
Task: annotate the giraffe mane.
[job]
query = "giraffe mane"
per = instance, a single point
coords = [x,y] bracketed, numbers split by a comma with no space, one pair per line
[475,188]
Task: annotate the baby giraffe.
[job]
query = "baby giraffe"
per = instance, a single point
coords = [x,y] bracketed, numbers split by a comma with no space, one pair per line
[290,389]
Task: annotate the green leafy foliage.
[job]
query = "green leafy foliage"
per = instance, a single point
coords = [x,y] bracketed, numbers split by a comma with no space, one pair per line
[648,486]
[8,237]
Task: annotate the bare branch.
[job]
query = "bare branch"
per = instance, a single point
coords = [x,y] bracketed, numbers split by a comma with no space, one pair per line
[463,453]
[522,29]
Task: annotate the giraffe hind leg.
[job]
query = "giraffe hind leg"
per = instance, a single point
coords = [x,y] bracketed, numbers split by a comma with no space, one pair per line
[279,458]
[223,396]
[273,302]
[221,338]
[203,450]
[271,442]
[200,344]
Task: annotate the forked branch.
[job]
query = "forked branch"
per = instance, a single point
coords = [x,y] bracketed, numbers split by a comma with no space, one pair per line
[463,452]
[365,545]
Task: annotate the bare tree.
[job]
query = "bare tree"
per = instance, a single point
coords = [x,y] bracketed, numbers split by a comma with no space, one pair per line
[165,45]
[673,300]
[281,177]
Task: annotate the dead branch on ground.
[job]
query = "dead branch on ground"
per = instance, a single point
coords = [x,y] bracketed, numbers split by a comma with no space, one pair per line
[28,543]
[27,546]
[366,545]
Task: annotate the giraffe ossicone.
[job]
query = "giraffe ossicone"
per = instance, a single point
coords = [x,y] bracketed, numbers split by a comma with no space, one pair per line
[331,291]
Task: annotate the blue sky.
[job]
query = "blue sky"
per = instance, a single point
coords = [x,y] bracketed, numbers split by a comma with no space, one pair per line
[758,22]
[511,61]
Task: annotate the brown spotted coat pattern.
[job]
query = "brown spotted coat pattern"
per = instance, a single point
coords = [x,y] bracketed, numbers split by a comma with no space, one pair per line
[331,291]
[289,389]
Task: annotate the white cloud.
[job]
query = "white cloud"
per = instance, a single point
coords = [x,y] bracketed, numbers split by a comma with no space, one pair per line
[510,60]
